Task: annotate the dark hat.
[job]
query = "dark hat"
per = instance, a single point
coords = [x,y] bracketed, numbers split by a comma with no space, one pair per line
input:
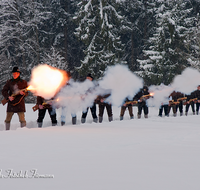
[145,87]
[16,69]
[89,75]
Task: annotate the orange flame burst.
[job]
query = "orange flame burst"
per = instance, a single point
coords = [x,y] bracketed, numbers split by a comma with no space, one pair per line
[151,94]
[30,88]
[46,80]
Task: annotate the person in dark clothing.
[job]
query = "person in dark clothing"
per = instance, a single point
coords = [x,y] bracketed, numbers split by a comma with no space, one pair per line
[92,108]
[14,92]
[175,104]
[197,95]
[141,97]
[189,102]
[43,106]
[164,107]
[101,100]
[127,104]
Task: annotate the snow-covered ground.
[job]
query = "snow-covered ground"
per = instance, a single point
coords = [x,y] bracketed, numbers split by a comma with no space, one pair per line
[139,154]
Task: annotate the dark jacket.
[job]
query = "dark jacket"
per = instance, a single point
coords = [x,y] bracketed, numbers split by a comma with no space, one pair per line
[45,103]
[13,86]
[197,94]
[140,94]
[175,95]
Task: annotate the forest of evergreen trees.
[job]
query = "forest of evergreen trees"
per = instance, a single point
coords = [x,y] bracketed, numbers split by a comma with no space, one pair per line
[156,39]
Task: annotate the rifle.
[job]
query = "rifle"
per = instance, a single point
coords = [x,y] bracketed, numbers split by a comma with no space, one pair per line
[4,101]
[172,103]
[45,104]
[144,97]
[193,100]
[181,99]
[132,102]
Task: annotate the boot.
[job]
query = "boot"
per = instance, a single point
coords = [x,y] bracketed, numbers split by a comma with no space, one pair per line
[186,113]
[7,125]
[62,123]
[193,113]
[174,114]
[23,124]
[110,119]
[100,119]
[83,120]
[131,117]
[121,118]
[95,120]
[197,112]
[54,124]
[146,116]
[139,116]
[181,114]
[74,120]
[39,124]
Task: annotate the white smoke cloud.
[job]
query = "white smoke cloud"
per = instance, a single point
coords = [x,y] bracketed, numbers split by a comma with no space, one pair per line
[160,95]
[118,81]
[122,83]
[187,81]
[77,96]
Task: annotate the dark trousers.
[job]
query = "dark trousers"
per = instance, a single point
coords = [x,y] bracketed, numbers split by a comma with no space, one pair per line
[93,112]
[197,107]
[188,105]
[108,108]
[52,113]
[123,109]
[176,107]
[144,107]
[165,108]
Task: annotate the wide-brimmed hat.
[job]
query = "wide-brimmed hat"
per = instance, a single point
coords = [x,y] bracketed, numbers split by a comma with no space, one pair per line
[16,69]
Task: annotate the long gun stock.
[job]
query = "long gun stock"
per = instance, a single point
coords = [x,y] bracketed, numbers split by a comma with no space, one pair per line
[181,99]
[131,102]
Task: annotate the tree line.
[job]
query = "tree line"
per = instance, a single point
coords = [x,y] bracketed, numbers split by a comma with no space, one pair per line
[155,39]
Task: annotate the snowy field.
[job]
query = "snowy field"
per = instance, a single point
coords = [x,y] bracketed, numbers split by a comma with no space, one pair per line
[146,154]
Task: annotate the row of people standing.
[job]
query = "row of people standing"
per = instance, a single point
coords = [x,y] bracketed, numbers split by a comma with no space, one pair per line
[14,92]
[177,100]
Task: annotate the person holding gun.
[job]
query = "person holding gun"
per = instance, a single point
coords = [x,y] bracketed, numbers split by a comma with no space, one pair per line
[43,106]
[14,92]
[197,96]
[127,104]
[92,108]
[103,103]
[142,96]
[176,102]
[190,102]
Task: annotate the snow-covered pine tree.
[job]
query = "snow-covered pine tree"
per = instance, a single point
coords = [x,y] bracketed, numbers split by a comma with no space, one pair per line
[20,31]
[136,28]
[167,52]
[98,27]
[62,27]
[55,59]
[193,42]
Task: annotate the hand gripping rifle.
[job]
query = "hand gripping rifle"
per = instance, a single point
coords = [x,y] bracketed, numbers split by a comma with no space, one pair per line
[144,97]
[46,104]
[4,101]
[193,100]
